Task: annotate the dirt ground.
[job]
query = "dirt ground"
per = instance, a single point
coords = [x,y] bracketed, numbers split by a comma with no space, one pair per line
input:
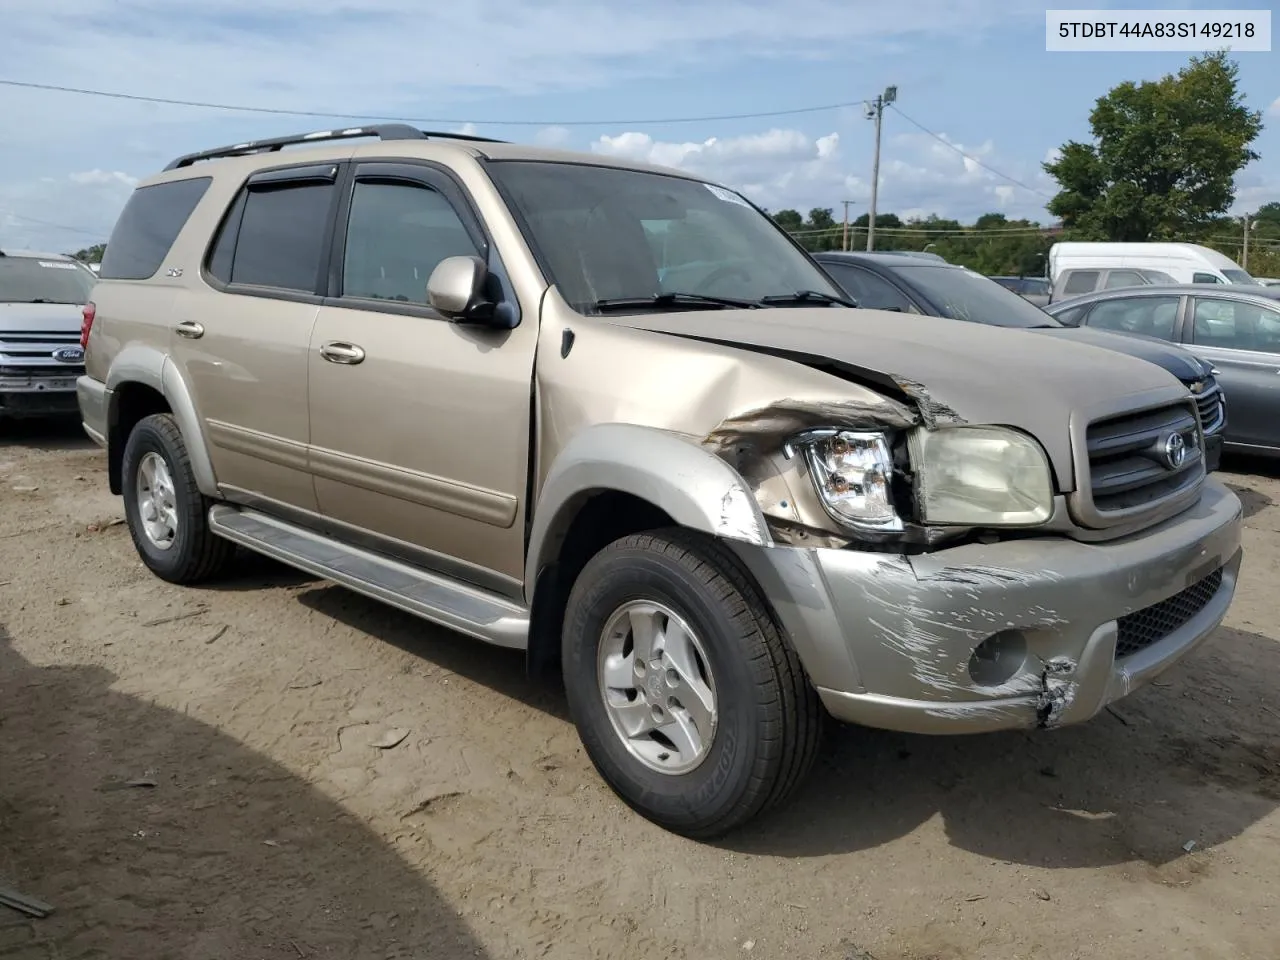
[274,828]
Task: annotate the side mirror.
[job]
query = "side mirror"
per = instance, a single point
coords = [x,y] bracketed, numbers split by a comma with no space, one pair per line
[456,289]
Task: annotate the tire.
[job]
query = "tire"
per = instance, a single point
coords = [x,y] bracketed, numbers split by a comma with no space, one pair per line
[768,719]
[194,553]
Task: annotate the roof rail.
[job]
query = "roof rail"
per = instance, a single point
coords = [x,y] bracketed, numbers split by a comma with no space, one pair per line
[386,131]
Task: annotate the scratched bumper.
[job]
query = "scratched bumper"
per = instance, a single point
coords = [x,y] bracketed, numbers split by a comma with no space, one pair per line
[889,640]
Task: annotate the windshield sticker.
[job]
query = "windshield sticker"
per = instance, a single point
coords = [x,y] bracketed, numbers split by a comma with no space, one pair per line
[57,265]
[728,196]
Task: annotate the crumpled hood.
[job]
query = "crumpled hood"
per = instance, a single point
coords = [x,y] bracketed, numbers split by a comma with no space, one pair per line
[39,318]
[954,371]
[1181,363]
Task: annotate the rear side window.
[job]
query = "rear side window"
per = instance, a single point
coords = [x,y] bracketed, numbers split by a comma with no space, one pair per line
[1081,281]
[148,225]
[1205,278]
[1123,278]
[274,236]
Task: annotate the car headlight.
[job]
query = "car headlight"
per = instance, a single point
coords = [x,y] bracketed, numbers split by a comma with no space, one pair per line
[852,472]
[980,477]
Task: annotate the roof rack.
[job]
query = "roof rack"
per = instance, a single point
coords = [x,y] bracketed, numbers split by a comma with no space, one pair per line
[386,131]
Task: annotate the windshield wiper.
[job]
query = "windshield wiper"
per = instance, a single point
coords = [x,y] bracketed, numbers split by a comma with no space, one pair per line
[673,300]
[806,296]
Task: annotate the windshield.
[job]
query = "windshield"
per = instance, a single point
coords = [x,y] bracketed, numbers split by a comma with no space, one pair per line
[961,294]
[31,280]
[1239,276]
[612,234]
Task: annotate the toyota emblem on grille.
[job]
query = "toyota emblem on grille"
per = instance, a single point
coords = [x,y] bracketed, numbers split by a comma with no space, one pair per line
[1175,451]
[69,354]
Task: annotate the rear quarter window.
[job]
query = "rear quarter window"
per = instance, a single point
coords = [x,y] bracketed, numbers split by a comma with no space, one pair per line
[148,225]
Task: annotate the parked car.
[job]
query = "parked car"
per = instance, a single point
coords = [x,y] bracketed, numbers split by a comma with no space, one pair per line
[1035,290]
[612,415]
[1184,262]
[1236,329]
[1074,283]
[1268,281]
[41,298]
[922,254]
[893,283]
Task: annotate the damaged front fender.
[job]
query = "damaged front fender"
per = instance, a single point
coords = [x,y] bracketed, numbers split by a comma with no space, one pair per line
[690,484]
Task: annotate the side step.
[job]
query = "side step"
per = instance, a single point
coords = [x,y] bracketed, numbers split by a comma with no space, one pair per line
[451,604]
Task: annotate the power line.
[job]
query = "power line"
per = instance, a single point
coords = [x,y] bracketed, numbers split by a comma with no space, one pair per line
[947,143]
[58,226]
[651,121]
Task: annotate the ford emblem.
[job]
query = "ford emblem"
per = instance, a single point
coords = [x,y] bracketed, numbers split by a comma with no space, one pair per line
[69,354]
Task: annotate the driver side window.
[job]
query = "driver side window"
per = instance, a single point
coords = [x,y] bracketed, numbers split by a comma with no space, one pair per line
[870,291]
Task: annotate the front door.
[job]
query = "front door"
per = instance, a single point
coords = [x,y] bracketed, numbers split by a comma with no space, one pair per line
[419,426]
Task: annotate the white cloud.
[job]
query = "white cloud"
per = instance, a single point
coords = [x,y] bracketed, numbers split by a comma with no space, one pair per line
[782,168]
[1274,110]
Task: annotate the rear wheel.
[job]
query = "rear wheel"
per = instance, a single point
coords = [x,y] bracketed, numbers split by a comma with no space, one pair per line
[165,510]
[688,700]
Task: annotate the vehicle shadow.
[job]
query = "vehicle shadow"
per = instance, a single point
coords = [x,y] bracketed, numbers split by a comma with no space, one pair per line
[493,667]
[1253,501]
[52,434]
[1195,756]
[217,852]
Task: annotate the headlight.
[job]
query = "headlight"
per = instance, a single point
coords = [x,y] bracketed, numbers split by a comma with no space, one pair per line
[851,472]
[980,477]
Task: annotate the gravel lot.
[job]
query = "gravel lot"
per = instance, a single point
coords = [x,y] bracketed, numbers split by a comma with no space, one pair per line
[273,827]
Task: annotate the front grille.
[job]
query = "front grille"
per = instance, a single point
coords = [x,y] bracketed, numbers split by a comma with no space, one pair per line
[1211,406]
[31,354]
[1133,460]
[1139,630]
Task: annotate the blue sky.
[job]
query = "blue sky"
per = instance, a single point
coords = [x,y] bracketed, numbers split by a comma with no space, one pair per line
[974,72]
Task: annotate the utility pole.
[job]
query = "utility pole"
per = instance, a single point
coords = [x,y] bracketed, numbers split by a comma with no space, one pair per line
[875,111]
[844,243]
[1244,253]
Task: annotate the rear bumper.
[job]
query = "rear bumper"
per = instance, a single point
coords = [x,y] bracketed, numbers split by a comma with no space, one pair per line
[93,399]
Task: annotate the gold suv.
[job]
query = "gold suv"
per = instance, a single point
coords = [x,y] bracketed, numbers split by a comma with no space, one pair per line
[613,416]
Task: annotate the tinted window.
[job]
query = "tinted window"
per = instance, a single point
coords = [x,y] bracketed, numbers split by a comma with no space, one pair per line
[870,291]
[1149,316]
[961,294]
[1205,278]
[1157,276]
[32,280]
[1080,281]
[148,225]
[1071,317]
[280,237]
[1035,288]
[1123,278]
[396,234]
[1235,325]
[606,232]
[1239,276]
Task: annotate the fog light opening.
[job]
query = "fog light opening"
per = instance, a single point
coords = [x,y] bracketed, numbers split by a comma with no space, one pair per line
[998,658]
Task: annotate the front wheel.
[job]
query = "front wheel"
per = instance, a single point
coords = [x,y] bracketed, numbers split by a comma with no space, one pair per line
[689,701]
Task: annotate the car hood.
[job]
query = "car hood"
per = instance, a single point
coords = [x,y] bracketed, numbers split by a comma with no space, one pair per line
[1181,363]
[39,318]
[954,372]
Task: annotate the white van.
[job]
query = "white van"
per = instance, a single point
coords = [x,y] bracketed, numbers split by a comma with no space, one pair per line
[1181,262]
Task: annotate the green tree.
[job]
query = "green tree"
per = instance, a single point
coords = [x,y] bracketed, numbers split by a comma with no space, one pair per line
[91,254]
[789,220]
[1163,158]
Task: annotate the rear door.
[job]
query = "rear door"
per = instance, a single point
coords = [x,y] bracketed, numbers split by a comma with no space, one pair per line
[242,340]
[1241,339]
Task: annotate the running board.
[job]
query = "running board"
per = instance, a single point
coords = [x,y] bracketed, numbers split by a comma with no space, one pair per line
[458,606]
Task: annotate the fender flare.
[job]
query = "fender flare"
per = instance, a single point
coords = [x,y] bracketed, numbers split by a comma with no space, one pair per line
[138,363]
[672,471]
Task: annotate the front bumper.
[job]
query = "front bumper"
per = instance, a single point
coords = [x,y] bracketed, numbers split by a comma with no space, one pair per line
[890,641]
[23,395]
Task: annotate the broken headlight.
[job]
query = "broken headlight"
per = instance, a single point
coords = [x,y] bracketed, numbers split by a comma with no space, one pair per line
[852,472]
[980,477]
